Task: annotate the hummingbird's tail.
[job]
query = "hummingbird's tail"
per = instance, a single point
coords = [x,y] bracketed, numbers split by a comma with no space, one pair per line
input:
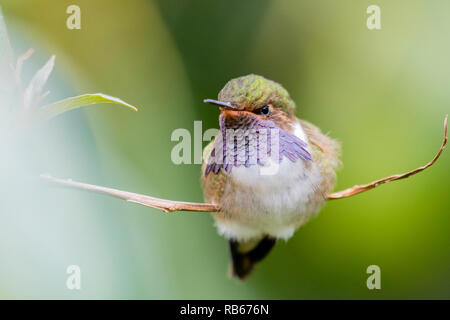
[244,255]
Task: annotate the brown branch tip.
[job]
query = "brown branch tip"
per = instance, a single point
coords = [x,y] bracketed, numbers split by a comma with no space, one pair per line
[362,188]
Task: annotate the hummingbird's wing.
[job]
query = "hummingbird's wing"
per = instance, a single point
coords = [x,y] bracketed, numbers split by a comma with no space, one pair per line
[213,184]
[325,152]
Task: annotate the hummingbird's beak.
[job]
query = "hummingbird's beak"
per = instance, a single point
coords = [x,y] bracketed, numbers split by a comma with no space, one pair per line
[226,105]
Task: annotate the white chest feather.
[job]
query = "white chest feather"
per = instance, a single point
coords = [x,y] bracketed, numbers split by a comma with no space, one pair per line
[274,202]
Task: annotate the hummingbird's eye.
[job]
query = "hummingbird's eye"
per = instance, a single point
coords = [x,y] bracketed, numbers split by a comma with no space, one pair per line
[264,110]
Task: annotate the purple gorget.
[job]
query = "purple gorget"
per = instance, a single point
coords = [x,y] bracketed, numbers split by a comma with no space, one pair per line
[260,141]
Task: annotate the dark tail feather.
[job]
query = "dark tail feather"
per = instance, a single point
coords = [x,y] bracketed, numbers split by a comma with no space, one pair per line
[243,262]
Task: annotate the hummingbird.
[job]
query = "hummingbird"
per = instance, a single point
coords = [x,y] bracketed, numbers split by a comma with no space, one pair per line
[254,207]
[259,209]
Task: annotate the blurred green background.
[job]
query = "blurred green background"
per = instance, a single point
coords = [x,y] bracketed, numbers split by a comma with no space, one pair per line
[383,94]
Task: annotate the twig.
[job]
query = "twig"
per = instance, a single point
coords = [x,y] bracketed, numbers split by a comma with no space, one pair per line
[362,188]
[171,206]
[162,204]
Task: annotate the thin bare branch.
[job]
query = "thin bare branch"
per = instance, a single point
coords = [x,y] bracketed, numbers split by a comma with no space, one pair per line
[362,188]
[171,206]
[162,204]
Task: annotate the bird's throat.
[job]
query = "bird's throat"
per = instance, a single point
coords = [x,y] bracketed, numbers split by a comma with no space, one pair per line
[246,140]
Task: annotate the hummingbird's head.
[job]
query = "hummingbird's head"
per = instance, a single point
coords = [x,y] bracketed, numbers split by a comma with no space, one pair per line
[245,99]
[257,121]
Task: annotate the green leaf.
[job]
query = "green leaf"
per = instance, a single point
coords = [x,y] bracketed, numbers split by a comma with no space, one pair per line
[47,112]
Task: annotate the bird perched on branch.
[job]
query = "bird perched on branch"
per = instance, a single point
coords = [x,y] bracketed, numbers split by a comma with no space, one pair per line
[267,170]
[264,175]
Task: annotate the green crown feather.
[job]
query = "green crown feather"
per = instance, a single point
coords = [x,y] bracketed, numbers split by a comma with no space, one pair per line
[256,91]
